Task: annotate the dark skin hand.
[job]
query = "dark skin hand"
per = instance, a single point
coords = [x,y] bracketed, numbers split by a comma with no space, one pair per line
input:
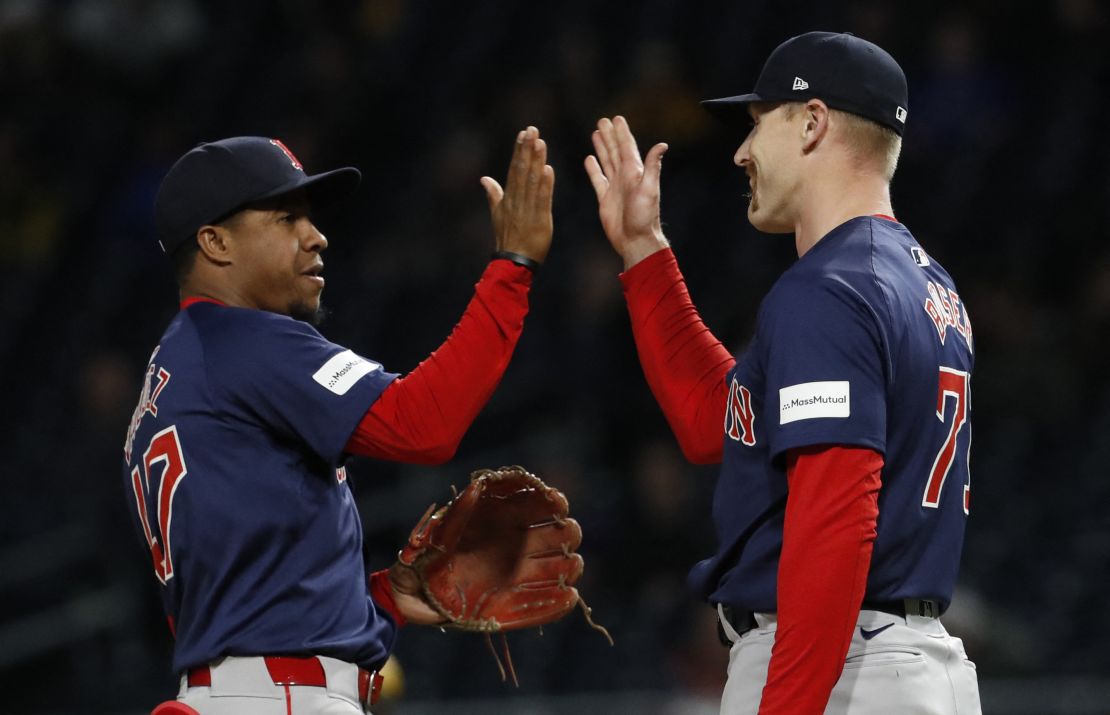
[406,594]
[521,212]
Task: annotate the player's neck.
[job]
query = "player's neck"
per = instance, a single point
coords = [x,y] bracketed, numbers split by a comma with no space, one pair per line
[197,287]
[830,203]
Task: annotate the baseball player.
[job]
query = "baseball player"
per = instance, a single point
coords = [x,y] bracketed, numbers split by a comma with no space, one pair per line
[234,458]
[844,487]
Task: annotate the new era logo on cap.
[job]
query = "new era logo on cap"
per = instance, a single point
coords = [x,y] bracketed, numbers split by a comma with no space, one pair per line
[846,72]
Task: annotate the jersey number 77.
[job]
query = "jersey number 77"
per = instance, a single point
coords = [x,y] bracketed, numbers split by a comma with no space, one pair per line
[955,384]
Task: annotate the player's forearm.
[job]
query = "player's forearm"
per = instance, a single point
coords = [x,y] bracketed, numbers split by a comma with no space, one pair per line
[831,515]
[684,364]
[633,252]
[423,416]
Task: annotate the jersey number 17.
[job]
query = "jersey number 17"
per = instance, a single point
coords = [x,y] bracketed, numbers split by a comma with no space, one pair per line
[165,448]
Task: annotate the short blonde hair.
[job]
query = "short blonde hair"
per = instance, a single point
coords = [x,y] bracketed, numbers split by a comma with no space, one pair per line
[869,141]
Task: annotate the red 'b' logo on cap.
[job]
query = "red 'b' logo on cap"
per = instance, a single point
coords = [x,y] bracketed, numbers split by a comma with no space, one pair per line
[285,150]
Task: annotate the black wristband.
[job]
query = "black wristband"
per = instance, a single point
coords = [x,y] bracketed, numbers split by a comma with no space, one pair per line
[518,259]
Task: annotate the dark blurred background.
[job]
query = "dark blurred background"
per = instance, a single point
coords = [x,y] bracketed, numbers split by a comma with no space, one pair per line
[1004,178]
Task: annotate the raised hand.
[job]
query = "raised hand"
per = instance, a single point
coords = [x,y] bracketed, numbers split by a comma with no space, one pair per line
[521,212]
[627,190]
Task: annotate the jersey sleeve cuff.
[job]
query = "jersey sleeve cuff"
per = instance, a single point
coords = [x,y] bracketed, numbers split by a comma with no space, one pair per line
[783,444]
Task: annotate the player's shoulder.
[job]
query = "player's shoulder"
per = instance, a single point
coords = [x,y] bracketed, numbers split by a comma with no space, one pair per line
[223,322]
[900,262]
[840,270]
[245,335]
[836,263]
[869,251]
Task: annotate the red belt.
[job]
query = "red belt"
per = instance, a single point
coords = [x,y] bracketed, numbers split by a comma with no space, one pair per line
[299,671]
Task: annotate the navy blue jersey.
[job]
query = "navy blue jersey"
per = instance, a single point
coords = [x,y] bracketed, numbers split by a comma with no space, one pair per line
[234,465]
[863,342]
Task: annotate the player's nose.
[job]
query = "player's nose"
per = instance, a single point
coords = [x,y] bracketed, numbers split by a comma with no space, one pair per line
[314,240]
[743,155]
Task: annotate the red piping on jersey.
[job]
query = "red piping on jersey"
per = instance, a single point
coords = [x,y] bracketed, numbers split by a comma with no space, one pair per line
[831,514]
[888,218]
[194,299]
[684,364]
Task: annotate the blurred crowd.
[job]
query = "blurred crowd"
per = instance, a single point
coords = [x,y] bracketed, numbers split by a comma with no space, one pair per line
[1004,179]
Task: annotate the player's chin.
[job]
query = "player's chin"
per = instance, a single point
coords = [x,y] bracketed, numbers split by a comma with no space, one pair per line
[311,311]
[763,222]
[758,219]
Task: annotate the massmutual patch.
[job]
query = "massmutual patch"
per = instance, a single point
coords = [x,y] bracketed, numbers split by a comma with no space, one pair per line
[811,400]
[342,371]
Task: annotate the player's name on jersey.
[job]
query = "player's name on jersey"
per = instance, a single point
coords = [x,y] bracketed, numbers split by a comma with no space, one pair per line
[148,401]
[944,308]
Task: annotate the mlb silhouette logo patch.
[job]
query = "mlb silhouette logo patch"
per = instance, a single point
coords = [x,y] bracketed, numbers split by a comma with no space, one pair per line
[900,114]
[800,83]
[919,256]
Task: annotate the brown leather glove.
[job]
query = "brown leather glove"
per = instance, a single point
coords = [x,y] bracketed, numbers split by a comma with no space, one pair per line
[499,556]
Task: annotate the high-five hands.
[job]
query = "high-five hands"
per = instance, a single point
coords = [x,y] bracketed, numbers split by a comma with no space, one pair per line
[627,190]
[521,212]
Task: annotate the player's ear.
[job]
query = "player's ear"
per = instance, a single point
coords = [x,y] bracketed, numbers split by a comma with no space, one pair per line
[814,125]
[214,244]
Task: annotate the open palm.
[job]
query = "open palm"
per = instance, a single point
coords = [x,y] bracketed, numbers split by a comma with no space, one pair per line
[627,190]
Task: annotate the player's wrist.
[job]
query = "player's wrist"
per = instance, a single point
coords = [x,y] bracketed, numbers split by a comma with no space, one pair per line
[382,590]
[518,258]
[636,250]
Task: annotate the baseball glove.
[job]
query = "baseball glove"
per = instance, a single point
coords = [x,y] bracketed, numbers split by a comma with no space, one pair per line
[500,556]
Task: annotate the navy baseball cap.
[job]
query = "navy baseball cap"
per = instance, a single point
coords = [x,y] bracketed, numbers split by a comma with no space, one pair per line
[214,180]
[844,71]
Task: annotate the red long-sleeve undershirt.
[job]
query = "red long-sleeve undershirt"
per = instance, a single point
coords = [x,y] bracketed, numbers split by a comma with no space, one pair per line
[832,504]
[421,417]
[381,590]
[831,513]
[685,365]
